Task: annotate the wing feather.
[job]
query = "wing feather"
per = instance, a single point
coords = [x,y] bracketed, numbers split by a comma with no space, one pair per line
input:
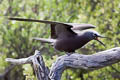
[77,26]
[34,20]
[59,28]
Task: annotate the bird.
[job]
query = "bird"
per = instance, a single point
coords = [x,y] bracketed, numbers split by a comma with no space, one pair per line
[67,37]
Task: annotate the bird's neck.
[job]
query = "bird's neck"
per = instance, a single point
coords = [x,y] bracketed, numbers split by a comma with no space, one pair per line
[84,39]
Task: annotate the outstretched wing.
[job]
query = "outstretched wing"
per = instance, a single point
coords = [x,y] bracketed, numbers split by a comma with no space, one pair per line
[59,29]
[77,26]
[34,20]
[68,29]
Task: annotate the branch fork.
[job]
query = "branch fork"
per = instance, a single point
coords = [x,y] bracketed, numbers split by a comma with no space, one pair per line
[80,61]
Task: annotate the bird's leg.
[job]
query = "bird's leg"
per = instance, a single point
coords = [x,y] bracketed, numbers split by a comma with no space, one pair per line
[69,53]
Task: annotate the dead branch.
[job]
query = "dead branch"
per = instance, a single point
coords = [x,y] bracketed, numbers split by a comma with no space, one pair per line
[80,61]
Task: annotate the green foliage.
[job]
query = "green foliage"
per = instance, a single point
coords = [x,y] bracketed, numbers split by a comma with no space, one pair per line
[16,42]
[28,72]
[3,64]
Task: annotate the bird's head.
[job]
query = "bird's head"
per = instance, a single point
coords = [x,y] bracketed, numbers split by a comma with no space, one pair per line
[93,35]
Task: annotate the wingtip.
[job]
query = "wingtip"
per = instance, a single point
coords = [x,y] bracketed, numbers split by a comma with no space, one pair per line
[14,18]
[91,25]
[94,26]
[83,26]
[11,18]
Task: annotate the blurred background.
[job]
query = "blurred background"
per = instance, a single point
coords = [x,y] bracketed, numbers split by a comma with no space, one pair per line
[16,42]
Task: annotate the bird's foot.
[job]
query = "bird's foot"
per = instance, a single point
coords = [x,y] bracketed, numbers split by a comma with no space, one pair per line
[69,53]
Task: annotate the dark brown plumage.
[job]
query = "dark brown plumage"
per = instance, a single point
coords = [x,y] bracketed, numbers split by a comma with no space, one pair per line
[67,36]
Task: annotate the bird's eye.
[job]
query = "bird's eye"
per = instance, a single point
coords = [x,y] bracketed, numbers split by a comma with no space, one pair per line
[94,35]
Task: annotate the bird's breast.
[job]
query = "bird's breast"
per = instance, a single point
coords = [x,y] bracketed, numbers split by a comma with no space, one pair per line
[69,44]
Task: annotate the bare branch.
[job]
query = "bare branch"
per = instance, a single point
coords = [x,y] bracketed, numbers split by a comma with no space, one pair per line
[80,61]
[86,62]
[38,64]
[19,61]
[23,60]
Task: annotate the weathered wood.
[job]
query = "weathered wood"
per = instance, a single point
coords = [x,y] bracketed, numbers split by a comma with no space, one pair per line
[86,62]
[39,67]
[80,61]
[38,64]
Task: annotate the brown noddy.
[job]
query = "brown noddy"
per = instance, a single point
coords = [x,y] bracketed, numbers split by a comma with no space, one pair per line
[67,37]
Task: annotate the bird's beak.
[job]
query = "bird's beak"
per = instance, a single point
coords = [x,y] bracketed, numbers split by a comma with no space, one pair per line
[97,38]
